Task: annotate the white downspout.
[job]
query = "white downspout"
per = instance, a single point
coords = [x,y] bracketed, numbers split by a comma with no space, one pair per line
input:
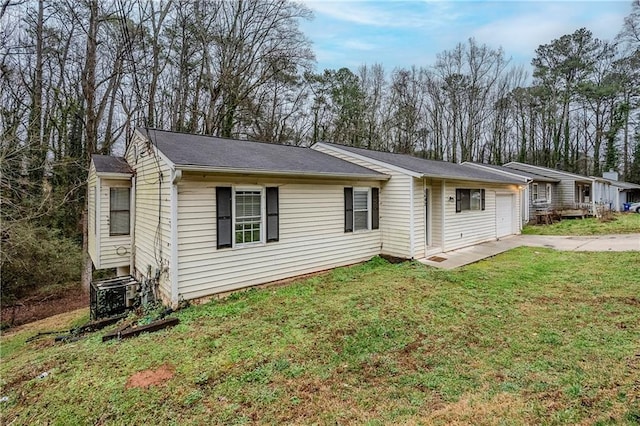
[176,176]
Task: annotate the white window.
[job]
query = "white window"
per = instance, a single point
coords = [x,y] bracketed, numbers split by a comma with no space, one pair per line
[548,193]
[119,214]
[248,216]
[534,191]
[361,202]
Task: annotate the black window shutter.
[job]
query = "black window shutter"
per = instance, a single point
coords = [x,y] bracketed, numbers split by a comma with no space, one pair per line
[223,213]
[482,197]
[273,222]
[375,209]
[458,201]
[348,210]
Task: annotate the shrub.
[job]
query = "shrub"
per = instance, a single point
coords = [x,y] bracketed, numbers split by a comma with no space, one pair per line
[33,257]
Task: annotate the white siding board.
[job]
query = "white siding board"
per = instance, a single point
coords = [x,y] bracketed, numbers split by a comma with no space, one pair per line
[436,213]
[312,238]
[394,206]
[152,217]
[471,227]
[418,218]
[114,250]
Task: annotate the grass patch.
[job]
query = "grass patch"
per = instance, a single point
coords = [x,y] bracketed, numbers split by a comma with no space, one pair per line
[531,336]
[622,223]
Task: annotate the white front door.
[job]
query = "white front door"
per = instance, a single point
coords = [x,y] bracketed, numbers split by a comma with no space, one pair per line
[504,215]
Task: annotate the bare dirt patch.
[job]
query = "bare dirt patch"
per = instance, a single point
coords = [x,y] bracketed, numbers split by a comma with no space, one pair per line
[144,379]
[37,307]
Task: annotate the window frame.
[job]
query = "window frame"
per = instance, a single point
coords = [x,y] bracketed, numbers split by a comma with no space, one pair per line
[548,193]
[458,200]
[368,191]
[535,191]
[112,210]
[263,213]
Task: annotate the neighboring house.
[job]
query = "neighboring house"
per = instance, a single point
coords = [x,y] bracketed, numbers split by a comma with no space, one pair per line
[574,192]
[208,215]
[540,192]
[429,207]
[621,192]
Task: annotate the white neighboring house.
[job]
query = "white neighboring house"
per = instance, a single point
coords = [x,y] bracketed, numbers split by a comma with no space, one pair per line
[621,192]
[429,207]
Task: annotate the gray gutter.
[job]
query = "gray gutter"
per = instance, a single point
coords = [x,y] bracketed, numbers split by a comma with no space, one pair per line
[285,173]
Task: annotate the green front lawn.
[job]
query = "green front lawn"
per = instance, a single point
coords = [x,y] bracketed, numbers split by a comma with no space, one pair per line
[531,336]
[622,223]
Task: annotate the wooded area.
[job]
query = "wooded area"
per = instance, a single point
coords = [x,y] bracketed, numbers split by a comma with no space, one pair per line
[78,76]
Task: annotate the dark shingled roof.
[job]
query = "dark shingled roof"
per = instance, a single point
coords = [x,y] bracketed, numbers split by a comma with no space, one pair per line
[430,168]
[110,164]
[529,175]
[221,154]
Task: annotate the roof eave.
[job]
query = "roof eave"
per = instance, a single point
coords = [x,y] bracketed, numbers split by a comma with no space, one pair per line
[469,178]
[285,173]
[114,175]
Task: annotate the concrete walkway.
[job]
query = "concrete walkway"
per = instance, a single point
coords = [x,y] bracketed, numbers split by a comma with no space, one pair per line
[472,254]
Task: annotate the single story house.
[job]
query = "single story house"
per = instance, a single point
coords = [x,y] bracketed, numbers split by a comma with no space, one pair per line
[574,192]
[621,192]
[540,193]
[430,207]
[196,215]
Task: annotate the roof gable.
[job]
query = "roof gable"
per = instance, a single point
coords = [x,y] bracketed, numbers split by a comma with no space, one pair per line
[209,153]
[427,168]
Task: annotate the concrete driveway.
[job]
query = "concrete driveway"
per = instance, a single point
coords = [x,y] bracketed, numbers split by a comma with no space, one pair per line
[472,254]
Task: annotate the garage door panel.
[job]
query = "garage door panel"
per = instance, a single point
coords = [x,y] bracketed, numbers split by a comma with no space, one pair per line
[504,215]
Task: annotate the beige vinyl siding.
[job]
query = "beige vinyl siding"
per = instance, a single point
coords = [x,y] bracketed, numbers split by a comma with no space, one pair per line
[394,206]
[471,227]
[114,250]
[152,213]
[436,213]
[92,240]
[418,218]
[311,238]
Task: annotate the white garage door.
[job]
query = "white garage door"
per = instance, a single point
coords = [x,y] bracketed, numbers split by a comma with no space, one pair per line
[504,215]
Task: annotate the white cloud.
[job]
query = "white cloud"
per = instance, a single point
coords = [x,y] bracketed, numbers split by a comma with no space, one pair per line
[356,44]
[391,14]
[521,35]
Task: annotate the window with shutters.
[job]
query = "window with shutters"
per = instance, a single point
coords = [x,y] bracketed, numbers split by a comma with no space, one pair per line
[361,209]
[248,216]
[469,199]
[119,211]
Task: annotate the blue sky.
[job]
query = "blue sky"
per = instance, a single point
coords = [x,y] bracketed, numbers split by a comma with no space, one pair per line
[405,33]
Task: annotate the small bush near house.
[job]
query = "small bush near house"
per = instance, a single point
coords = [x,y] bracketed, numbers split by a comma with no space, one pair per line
[34,257]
